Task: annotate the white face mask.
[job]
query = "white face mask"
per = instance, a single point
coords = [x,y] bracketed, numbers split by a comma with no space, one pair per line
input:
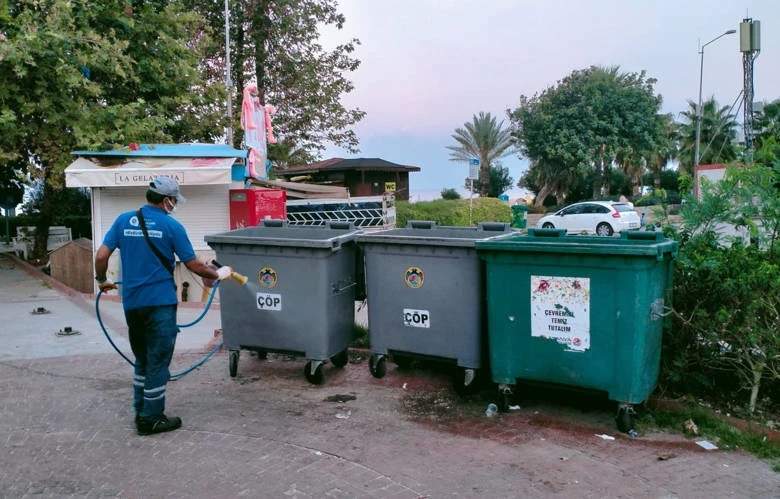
[172,209]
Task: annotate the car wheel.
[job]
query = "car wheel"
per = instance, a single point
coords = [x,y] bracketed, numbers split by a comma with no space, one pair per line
[548,225]
[604,229]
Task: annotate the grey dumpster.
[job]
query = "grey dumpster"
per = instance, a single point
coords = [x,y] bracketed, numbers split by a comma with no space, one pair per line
[300,296]
[424,285]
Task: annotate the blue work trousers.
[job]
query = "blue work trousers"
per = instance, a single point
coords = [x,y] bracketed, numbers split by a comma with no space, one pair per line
[152,332]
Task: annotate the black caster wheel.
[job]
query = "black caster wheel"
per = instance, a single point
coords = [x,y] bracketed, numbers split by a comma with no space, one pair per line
[377,367]
[315,379]
[233,362]
[625,419]
[341,359]
[261,353]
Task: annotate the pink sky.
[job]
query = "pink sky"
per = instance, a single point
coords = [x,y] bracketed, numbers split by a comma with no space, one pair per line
[430,65]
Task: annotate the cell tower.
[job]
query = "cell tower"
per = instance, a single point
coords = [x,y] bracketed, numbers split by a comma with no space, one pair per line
[750,46]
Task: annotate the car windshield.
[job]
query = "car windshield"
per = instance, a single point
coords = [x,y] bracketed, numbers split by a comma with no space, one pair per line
[622,207]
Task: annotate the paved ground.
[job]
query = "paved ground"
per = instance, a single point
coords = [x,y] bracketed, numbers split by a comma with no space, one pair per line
[66,426]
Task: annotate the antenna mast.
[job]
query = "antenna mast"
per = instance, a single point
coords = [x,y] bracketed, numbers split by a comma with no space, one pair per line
[750,46]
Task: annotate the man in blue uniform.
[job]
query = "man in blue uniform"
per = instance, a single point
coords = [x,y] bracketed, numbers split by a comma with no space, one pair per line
[148,239]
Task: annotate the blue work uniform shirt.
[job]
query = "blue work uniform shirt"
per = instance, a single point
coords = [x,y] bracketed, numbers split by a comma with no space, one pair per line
[145,281]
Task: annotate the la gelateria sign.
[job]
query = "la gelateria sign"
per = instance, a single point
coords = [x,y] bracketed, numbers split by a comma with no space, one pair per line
[560,310]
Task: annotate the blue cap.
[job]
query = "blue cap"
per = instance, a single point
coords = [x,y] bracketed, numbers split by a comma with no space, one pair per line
[166,186]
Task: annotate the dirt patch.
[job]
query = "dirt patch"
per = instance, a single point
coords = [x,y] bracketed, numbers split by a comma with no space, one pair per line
[436,406]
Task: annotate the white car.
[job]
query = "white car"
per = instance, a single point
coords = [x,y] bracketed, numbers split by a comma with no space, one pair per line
[603,218]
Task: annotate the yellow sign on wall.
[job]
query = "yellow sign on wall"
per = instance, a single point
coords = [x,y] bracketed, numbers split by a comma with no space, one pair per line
[389,186]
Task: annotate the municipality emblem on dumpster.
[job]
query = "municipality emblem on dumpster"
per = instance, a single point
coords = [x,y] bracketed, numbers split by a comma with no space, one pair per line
[267,277]
[414,277]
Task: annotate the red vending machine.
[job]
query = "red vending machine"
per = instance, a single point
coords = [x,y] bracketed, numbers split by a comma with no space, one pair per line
[248,207]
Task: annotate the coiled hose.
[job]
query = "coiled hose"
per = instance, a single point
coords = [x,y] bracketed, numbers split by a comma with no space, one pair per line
[174,376]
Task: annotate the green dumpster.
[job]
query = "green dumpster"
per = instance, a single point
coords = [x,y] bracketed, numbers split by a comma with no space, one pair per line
[579,311]
[519,216]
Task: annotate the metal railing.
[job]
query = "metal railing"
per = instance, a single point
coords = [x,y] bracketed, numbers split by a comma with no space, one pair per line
[365,212]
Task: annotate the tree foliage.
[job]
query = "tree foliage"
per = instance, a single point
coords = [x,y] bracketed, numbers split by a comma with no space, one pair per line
[727,292]
[484,139]
[767,124]
[500,181]
[717,144]
[593,118]
[665,148]
[11,188]
[275,46]
[450,194]
[83,75]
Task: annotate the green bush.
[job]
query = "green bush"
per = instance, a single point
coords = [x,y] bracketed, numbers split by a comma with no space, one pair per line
[454,212]
[80,225]
[726,304]
[658,197]
[450,194]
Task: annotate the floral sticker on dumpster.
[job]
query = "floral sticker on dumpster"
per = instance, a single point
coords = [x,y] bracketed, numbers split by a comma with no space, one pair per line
[560,310]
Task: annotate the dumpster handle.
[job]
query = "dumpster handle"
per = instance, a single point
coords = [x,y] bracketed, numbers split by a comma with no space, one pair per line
[659,310]
[493,226]
[420,224]
[340,225]
[547,233]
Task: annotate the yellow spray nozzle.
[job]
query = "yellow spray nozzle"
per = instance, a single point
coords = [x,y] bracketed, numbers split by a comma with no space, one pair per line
[240,279]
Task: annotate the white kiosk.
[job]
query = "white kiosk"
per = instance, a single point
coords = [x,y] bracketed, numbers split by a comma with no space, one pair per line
[118,180]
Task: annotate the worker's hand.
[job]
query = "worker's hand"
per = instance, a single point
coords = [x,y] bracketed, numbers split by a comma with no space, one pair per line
[209,281]
[224,272]
[107,286]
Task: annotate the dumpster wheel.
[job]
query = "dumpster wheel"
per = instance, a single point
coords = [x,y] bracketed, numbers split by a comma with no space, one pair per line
[625,419]
[315,377]
[377,366]
[233,362]
[341,359]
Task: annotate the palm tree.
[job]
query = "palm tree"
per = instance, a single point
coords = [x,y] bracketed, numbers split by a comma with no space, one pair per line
[286,153]
[484,139]
[718,135]
[666,148]
[553,179]
[633,163]
[767,123]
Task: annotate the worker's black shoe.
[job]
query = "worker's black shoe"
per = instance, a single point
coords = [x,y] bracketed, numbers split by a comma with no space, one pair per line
[157,424]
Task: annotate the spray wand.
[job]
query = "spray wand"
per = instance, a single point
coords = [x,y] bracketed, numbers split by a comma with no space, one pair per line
[239,278]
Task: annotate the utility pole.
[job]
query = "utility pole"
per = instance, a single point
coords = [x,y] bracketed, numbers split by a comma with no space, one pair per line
[699,114]
[228,82]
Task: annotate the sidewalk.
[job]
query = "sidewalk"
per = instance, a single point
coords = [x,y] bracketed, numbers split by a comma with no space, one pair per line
[67,427]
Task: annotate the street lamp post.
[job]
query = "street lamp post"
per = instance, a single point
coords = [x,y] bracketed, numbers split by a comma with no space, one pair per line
[699,114]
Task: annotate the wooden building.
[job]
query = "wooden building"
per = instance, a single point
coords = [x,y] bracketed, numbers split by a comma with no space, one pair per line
[361,176]
[71,264]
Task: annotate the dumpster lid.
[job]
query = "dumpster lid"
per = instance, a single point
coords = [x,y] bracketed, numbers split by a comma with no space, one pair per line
[279,233]
[633,243]
[428,233]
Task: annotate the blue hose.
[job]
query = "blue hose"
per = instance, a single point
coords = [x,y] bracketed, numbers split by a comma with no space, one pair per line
[174,376]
